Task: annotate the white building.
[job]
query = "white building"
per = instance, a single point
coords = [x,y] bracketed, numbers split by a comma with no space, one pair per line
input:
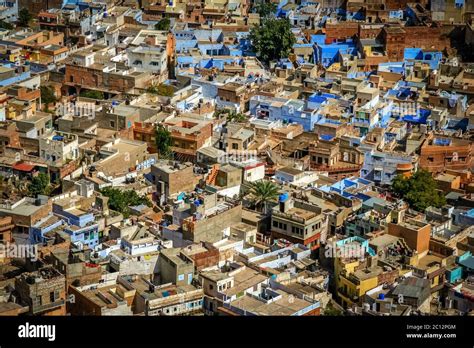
[148,58]
[59,147]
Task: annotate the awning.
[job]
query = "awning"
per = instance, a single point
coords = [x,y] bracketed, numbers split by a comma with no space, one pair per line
[24,167]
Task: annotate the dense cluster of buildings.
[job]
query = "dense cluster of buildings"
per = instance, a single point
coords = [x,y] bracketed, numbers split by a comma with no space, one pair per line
[168,101]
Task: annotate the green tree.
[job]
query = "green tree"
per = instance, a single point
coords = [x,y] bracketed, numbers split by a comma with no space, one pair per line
[263,191]
[161,89]
[39,185]
[6,25]
[92,94]
[420,190]
[230,115]
[233,116]
[331,311]
[47,96]
[265,9]
[24,17]
[163,141]
[272,40]
[163,24]
[121,200]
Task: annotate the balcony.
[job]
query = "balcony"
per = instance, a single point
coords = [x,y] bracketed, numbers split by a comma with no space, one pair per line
[345,294]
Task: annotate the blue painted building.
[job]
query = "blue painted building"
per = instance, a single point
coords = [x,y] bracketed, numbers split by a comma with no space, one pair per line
[82,225]
[328,54]
[432,58]
[364,244]
[350,188]
[12,74]
[465,218]
[319,99]
[284,110]
[40,228]
[454,274]
[466,261]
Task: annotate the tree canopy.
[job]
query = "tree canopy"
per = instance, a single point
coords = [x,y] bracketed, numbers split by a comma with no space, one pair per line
[420,190]
[24,17]
[163,24]
[6,25]
[230,115]
[332,311]
[273,39]
[39,185]
[92,94]
[47,96]
[121,200]
[163,141]
[264,191]
[265,9]
[161,89]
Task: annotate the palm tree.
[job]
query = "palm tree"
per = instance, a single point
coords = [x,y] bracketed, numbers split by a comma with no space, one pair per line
[264,191]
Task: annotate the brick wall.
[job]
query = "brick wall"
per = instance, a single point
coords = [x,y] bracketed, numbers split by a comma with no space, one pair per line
[341,30]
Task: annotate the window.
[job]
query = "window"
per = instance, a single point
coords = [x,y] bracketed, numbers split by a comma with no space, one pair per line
[180,277]
[37,301]
[52,296]
[275,223]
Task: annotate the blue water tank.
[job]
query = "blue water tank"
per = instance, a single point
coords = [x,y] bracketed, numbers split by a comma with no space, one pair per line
[197,203]
[283,197]
[381,296]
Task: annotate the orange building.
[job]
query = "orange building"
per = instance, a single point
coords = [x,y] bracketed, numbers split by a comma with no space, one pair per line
[188,135]
[415,233]
[439,153]
[145,132]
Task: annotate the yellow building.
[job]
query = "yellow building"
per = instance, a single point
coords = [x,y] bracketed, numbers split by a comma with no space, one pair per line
[352,287]
[433,268]
[353,268]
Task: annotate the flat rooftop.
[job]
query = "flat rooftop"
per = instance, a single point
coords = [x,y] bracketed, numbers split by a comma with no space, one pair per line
[281,307]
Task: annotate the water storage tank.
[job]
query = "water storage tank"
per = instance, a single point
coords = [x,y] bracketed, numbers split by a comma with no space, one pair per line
[283,197]
[381,296]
